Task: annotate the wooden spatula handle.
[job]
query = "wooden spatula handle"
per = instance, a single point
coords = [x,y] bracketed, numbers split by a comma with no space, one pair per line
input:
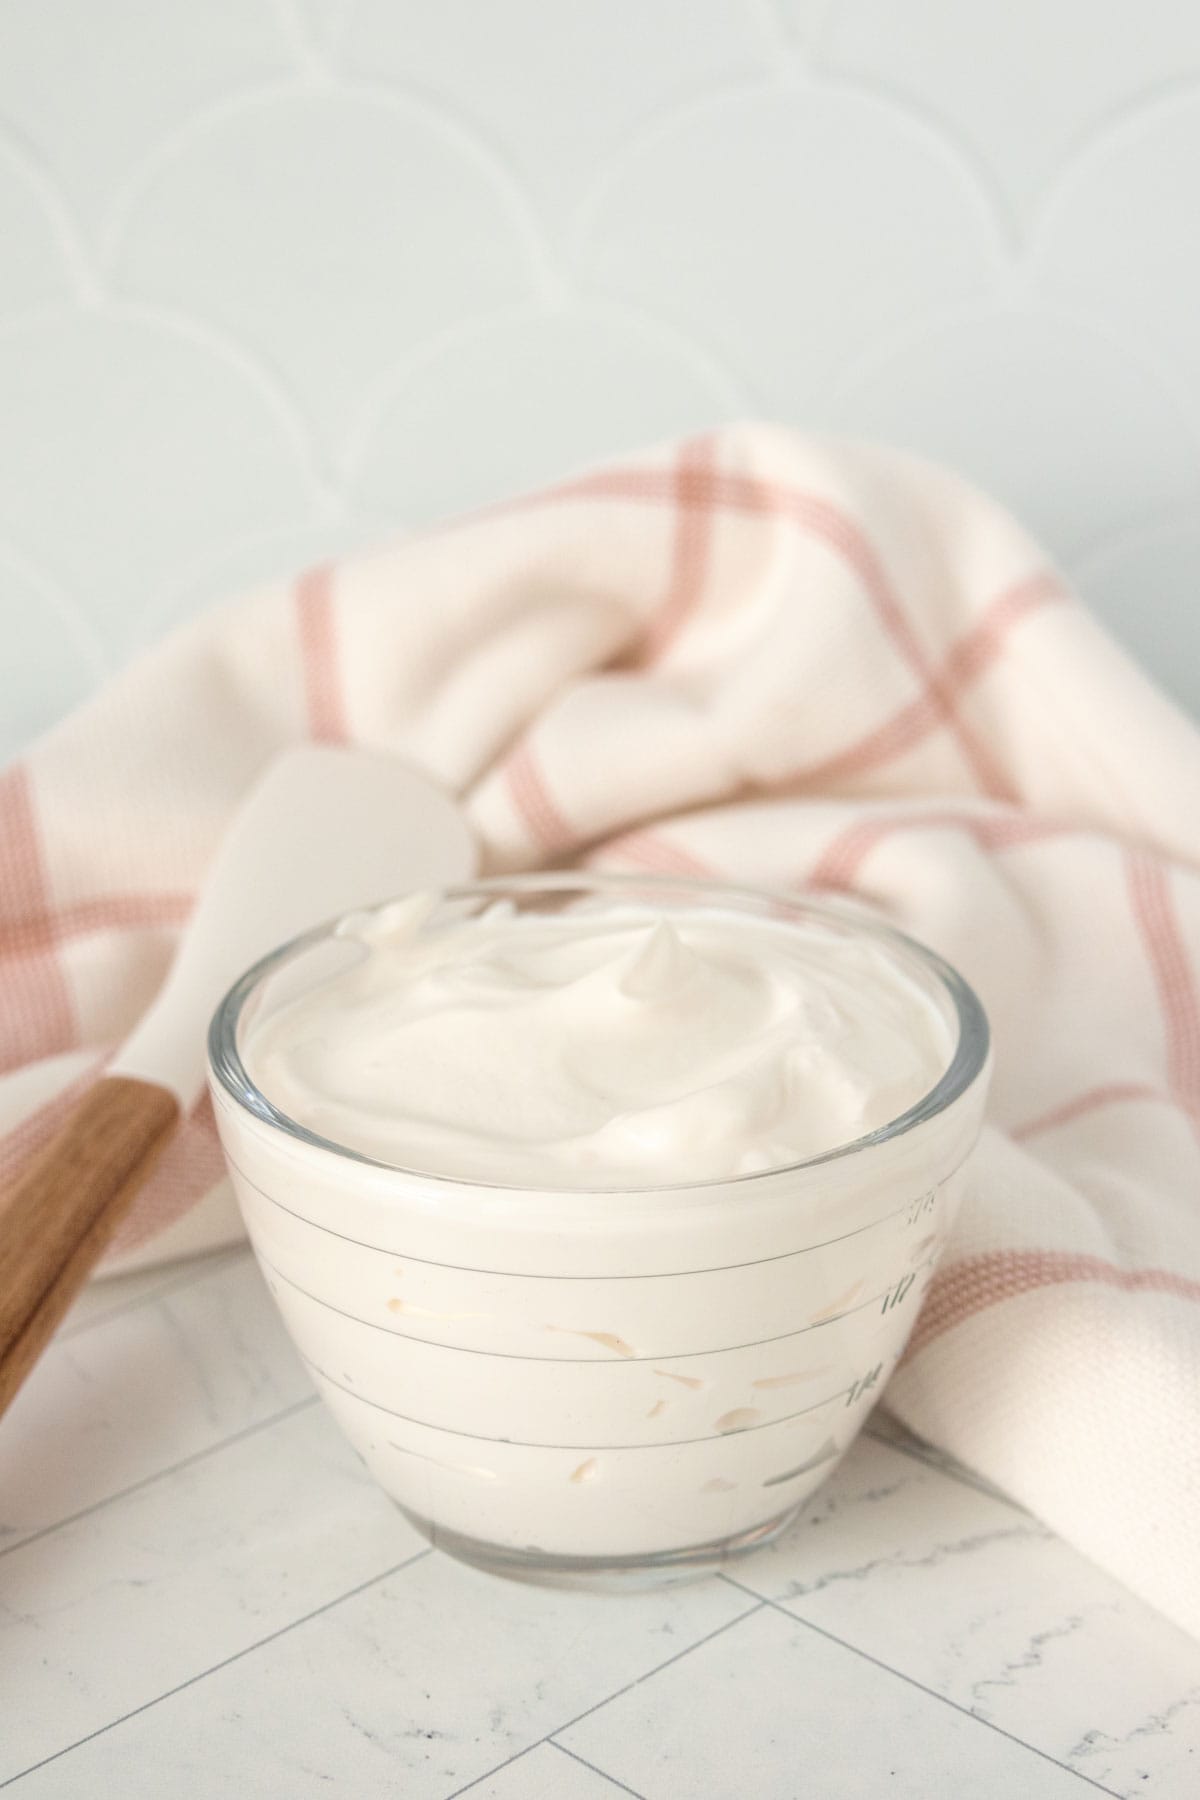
[64,1208]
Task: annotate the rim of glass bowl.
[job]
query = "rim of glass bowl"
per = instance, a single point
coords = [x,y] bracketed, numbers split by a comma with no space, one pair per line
[967,1063]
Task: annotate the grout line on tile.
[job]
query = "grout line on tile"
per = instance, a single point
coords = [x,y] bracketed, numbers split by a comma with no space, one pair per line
[209,1265]
[587,1712]
[856,1650]
[516,1757]
[203,1674]
[659,1667]
[603,1774]
[185,1462]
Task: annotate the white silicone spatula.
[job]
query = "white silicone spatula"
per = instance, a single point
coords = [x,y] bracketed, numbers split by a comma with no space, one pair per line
[324,830]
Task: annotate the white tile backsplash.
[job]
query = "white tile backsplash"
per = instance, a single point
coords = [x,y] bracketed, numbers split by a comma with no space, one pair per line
[278,277]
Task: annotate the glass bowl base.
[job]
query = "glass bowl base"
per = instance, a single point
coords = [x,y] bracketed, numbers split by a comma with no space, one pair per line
[605,1574]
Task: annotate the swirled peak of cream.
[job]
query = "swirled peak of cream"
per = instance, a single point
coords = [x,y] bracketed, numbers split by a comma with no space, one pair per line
[603,1046]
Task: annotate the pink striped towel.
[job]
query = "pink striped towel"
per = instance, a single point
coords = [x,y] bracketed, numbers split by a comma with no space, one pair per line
[781,661]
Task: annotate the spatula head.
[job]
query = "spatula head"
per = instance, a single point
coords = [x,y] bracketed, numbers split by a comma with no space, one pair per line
[323,831]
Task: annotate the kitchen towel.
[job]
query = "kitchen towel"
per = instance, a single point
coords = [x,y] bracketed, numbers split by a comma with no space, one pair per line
[777,660]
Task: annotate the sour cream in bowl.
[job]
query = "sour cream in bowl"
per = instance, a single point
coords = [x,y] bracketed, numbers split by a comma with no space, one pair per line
[599,1208]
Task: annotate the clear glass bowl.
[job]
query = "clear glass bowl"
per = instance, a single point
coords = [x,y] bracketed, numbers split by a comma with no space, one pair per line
[582,1385]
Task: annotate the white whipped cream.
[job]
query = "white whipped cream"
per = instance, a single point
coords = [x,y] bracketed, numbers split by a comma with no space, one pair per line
[605,1046]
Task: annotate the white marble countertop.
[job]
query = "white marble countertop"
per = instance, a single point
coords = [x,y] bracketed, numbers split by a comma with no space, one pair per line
[203,1594]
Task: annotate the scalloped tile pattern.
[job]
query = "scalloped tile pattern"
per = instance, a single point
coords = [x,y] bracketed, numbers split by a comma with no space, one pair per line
[789,229]
[36,272]
[281,275]
[131,442]
[94,91]
[1081,443]
[1021,89]
[594,383]
[556,90]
